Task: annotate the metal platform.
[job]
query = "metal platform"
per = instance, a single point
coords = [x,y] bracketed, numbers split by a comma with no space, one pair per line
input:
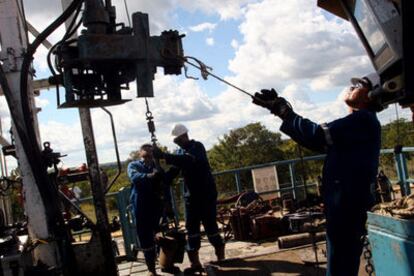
[251,259]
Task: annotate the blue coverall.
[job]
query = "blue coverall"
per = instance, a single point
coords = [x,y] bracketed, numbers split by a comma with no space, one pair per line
[146,202]
[200,194]
[352,145]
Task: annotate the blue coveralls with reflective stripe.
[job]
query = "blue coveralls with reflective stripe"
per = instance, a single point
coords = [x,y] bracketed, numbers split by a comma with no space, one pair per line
[146,203]
[352,145]
[200,194]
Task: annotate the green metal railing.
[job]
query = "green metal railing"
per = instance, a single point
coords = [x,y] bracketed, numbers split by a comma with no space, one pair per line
[400,160]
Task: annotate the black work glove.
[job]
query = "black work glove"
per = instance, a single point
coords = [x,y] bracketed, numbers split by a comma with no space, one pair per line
[158,153]
[270,100]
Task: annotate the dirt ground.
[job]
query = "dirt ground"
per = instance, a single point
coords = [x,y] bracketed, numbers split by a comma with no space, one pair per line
[250,259]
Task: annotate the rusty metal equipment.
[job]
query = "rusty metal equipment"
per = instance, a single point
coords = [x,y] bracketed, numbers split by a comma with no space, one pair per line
[171,248]
[107,56]
[300,221]
[266,226]
[252,218]
[383,191]
[239,222]
[402,208]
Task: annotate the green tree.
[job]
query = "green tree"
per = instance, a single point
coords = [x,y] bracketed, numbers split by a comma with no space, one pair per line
[312,169]
[250,145]
[398,132]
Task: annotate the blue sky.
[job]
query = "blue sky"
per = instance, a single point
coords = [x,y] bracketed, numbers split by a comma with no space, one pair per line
[293,46]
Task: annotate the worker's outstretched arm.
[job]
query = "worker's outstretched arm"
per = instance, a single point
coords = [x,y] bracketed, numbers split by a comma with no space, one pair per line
[196,156]
[183,161]
[303,131]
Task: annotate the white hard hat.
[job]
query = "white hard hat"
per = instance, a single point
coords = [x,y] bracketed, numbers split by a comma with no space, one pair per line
[178,130]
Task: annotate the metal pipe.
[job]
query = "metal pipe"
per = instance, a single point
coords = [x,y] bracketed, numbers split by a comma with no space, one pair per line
[401,167]
[76,208]
[102,222]
[296,240]
[118,160]
[238,183]
[95,17]
[293,179]
[303,171]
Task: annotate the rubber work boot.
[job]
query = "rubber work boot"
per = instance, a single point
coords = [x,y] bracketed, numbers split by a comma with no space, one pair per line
[196,267]
[220,252]
[151,269]
[171,270]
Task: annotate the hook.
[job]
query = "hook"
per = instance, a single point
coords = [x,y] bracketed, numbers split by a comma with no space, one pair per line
[186,74]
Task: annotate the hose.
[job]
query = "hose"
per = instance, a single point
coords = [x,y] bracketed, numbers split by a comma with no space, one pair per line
[28,138]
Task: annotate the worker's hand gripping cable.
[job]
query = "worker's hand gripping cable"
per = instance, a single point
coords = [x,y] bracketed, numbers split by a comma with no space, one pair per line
[270,99]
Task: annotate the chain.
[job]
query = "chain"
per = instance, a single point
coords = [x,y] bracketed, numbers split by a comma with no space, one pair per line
[369,266]
[150,123]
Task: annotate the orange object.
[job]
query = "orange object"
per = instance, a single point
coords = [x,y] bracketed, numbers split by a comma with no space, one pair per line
[82,168]
[64,171]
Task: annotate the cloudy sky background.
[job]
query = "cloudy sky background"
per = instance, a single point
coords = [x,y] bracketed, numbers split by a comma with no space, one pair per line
[307,55]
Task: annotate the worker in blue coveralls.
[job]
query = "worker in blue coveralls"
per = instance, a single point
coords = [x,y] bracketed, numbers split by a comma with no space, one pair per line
[200,195]
[146,202]
[352,147]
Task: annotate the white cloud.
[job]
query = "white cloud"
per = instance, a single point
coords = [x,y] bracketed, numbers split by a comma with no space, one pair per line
[63,137]
[41,102]
[234,44]
[175,101]
[4,110]
[279,48]
[226,9]
[289,45]
[160,12]
[298,57]
[210,41]
[206,26]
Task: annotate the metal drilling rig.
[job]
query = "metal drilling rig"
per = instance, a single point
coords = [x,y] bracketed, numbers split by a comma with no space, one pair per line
[92,68]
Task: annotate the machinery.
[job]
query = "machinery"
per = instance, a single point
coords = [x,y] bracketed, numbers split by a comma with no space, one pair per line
[93,68]
[383,29]
[107,56]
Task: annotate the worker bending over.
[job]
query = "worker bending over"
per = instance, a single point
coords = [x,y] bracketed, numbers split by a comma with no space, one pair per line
[352,147]
[200,194]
